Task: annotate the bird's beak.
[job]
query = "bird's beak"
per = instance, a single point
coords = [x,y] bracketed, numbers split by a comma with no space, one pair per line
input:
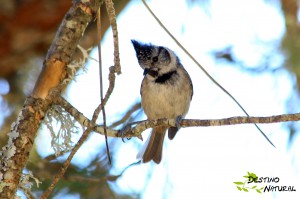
[146,70]
[151,72]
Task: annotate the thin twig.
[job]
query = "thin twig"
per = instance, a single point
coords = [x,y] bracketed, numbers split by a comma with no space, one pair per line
[127,115]
[80,118]
[115,177]
[111,78]
[66,164]
[91,126]
[101,81]
[202,68]
[113,22]
[143,125]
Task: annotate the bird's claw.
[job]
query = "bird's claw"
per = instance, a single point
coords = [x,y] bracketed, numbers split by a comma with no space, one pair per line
[178,121]
[124,131]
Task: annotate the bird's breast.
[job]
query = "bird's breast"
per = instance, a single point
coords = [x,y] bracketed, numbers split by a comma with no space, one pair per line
[165,100]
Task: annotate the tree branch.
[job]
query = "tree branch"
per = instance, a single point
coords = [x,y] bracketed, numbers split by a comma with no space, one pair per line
[127,116]
[113,22]
[141,126]
[203,70]
[90,126]
[21,137]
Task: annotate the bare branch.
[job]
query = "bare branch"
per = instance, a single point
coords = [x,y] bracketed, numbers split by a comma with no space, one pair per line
[143,125]
[66,164]
[76,178]
[15,154]
[203,69]
[113,22]
[80,118]
[127,115]
[101,80]
[91,126]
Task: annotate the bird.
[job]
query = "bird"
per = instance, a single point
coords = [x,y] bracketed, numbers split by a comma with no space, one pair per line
[166,92]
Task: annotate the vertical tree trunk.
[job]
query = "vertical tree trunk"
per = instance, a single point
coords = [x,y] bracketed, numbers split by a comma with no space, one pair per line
[21,137]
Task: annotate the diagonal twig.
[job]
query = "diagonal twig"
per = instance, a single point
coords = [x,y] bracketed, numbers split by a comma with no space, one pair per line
[203,69]
[91,126]
[136,128]
[101,81]
[113,22]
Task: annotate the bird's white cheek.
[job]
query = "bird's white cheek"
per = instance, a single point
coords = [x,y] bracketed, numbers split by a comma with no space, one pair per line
[150,77]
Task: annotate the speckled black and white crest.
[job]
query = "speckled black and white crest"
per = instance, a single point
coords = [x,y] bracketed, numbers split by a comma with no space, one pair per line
[143,51]
[152,56]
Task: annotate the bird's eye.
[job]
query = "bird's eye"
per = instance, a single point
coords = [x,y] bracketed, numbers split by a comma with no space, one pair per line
[154,59]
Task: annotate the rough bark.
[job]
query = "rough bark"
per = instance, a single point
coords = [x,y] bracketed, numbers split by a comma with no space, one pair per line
[15,154]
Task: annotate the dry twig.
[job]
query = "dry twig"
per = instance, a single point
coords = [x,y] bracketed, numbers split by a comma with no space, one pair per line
[91,126]
[203,69]
[136,128]
[113,22]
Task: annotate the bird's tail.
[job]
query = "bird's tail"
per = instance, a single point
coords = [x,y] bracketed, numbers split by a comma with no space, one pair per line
[152,149]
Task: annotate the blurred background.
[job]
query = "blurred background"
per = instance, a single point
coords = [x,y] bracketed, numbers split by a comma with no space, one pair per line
[250,47]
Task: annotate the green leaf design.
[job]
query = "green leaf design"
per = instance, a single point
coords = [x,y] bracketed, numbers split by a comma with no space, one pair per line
[253,175]
[246,190]
[238,183]
[258,191]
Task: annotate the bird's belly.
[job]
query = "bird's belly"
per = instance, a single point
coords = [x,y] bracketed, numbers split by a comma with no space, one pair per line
[163,101]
